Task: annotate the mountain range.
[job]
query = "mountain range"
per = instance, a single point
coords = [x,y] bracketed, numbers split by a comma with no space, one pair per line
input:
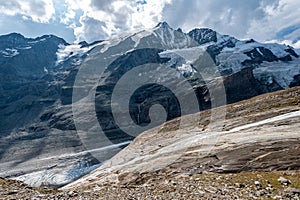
[54,100]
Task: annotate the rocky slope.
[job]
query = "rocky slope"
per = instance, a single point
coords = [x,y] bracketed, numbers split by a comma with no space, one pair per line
[38,78]
[258,134]
[254,156]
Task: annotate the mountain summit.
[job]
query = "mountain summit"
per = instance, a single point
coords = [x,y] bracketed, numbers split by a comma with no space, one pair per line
[162,25]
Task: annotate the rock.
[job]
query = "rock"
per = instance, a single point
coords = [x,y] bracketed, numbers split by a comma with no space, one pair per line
[257,184]
[294,191]
[211,190]
[239,185]
[72,193]
[269,187]
[12,192]
[260,193]
[284,181]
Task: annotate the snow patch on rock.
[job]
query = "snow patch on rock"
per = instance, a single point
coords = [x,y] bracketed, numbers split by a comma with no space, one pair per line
[9,53]
[64,52]
[281,72]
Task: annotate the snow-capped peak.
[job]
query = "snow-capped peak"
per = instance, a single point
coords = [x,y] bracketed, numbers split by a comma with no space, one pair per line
[229,54]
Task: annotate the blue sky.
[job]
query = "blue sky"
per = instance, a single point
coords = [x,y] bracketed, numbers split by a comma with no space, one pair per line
[77,20]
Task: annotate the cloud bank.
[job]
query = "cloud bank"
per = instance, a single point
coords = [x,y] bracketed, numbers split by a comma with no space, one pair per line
[40,11]
[258,19]
[263,20]
[107,18]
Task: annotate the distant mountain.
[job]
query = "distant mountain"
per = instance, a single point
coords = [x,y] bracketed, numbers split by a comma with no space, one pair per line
[38,80]
[28,57]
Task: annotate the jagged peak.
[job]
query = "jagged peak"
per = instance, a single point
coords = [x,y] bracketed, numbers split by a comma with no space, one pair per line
[163,24]
[203,35]
[202,30]
[180,30]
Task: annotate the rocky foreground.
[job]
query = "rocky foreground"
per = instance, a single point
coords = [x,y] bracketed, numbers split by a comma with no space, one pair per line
[246,185]
[255,155]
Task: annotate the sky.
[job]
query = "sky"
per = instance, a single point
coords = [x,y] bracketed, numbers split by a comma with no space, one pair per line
[90,20]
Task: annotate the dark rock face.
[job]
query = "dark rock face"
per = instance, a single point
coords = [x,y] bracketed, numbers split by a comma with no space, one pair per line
[215,49]
[203,35]
[67,87]
[149,95]
[29,57]
[242,85]
[104,91]
[296,81]
[292,52]
[22,102]
[24,78]
[31,119]
[30,80]
[260,54]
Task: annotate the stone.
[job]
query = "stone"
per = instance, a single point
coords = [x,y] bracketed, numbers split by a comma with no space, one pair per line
[257,184]
[284,181]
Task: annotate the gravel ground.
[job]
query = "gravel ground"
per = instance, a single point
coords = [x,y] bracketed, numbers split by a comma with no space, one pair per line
[247,185]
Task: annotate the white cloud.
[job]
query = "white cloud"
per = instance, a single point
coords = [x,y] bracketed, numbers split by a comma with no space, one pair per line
[258,19]
[40,11]
[90,20]
[90,29]
[284,14]
[232,17]
[71,6]
[106,18]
